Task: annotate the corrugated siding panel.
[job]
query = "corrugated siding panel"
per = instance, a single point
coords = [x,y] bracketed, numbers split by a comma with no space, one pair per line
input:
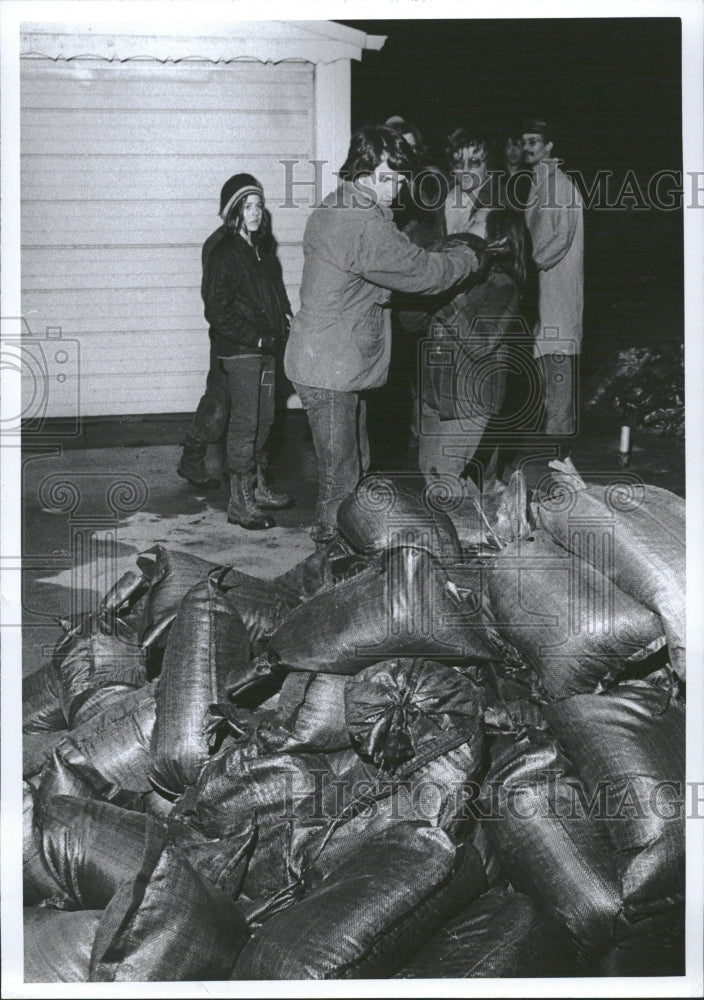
[122,166]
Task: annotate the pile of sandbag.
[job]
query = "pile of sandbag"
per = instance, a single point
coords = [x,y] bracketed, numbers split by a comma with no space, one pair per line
[642,387]
[404,758]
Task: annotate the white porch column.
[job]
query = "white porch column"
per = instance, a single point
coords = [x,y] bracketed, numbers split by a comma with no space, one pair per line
[333,97]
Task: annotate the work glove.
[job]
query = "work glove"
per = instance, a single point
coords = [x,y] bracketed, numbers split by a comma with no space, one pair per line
[268,344]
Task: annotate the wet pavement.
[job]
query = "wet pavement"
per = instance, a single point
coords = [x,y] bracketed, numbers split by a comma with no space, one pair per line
[87,513]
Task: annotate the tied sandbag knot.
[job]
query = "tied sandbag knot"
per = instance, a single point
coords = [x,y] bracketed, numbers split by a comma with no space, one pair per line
[244,726]
[389,741]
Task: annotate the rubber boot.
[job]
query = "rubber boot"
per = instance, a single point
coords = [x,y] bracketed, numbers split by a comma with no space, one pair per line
[265,496]
[242,508]
[192,464]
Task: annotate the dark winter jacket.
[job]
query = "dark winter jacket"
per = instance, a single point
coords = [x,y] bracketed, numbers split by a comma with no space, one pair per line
[464,361]
[244,295]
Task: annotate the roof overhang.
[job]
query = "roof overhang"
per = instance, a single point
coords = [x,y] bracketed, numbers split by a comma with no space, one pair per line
[263,41]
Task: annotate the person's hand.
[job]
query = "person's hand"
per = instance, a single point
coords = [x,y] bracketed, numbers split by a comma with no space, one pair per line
[268,343]
[498,248]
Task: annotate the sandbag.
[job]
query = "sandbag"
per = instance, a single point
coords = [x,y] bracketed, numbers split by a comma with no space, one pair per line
[206,643]
[574,625]
[503,934]
[422,723]
[57,945]
[363,919]
[39,885]
[90,848]
[498,516]
[629,747]
[95,671]
[565,865]
[221,860]
[308,576]
[107,757]
[168,924]
[41,705]
[312,707]
[411,709]
[281,793]
[635,534]
[263,604]
[407,606]
[659,952]
[385,511]
[37,749]
[171,575]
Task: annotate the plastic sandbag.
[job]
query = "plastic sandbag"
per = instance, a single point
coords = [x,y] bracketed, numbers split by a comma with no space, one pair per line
[642,387]
[41,705]
[574,625]
[312,707]
[279,792]
[629,745]
[37,749]
[634,534]
[308,576]
[550,850]
[57,945]
[96,671]
[107,757]
[405,607]
[168,924]
[385,512]
[221,860]
[207,641]
[171,575]
[495,518]
[407,709]
[364,918]
[263,604]
[503,934]
[39,885]
[659,952]
[90,848]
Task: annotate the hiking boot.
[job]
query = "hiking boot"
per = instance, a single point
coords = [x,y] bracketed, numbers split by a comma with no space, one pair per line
[192,464]
[242,508]
[265,497]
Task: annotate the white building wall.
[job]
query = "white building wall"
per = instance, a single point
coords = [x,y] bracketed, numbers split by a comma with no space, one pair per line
[123,157]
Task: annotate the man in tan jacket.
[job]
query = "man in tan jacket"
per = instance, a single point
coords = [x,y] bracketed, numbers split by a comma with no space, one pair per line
[554,217]
[340,343]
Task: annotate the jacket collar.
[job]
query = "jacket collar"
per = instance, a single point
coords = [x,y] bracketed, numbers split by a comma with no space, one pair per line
[348,195]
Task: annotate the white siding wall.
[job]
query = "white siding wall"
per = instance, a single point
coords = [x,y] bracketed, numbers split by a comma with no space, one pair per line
[122,165]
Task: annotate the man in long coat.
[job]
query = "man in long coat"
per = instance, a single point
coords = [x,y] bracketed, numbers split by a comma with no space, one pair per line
[555,219]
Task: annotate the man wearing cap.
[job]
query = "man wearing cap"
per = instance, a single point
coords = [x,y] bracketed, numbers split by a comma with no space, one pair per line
[554,217]
[247,307]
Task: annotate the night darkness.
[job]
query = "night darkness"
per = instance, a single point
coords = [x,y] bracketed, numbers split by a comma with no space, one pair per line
[612,87]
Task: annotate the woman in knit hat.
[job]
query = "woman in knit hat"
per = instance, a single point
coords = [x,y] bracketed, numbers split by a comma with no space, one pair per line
[248,311]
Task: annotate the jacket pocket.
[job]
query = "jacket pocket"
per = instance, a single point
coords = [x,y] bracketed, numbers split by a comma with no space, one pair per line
[368,333]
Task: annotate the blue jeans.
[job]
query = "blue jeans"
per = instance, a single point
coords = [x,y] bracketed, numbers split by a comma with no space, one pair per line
[558,378]
[239,396]
[338,424]
[449,447]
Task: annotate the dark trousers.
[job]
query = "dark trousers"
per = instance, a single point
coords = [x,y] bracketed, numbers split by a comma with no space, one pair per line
[338,425]
[239,396]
